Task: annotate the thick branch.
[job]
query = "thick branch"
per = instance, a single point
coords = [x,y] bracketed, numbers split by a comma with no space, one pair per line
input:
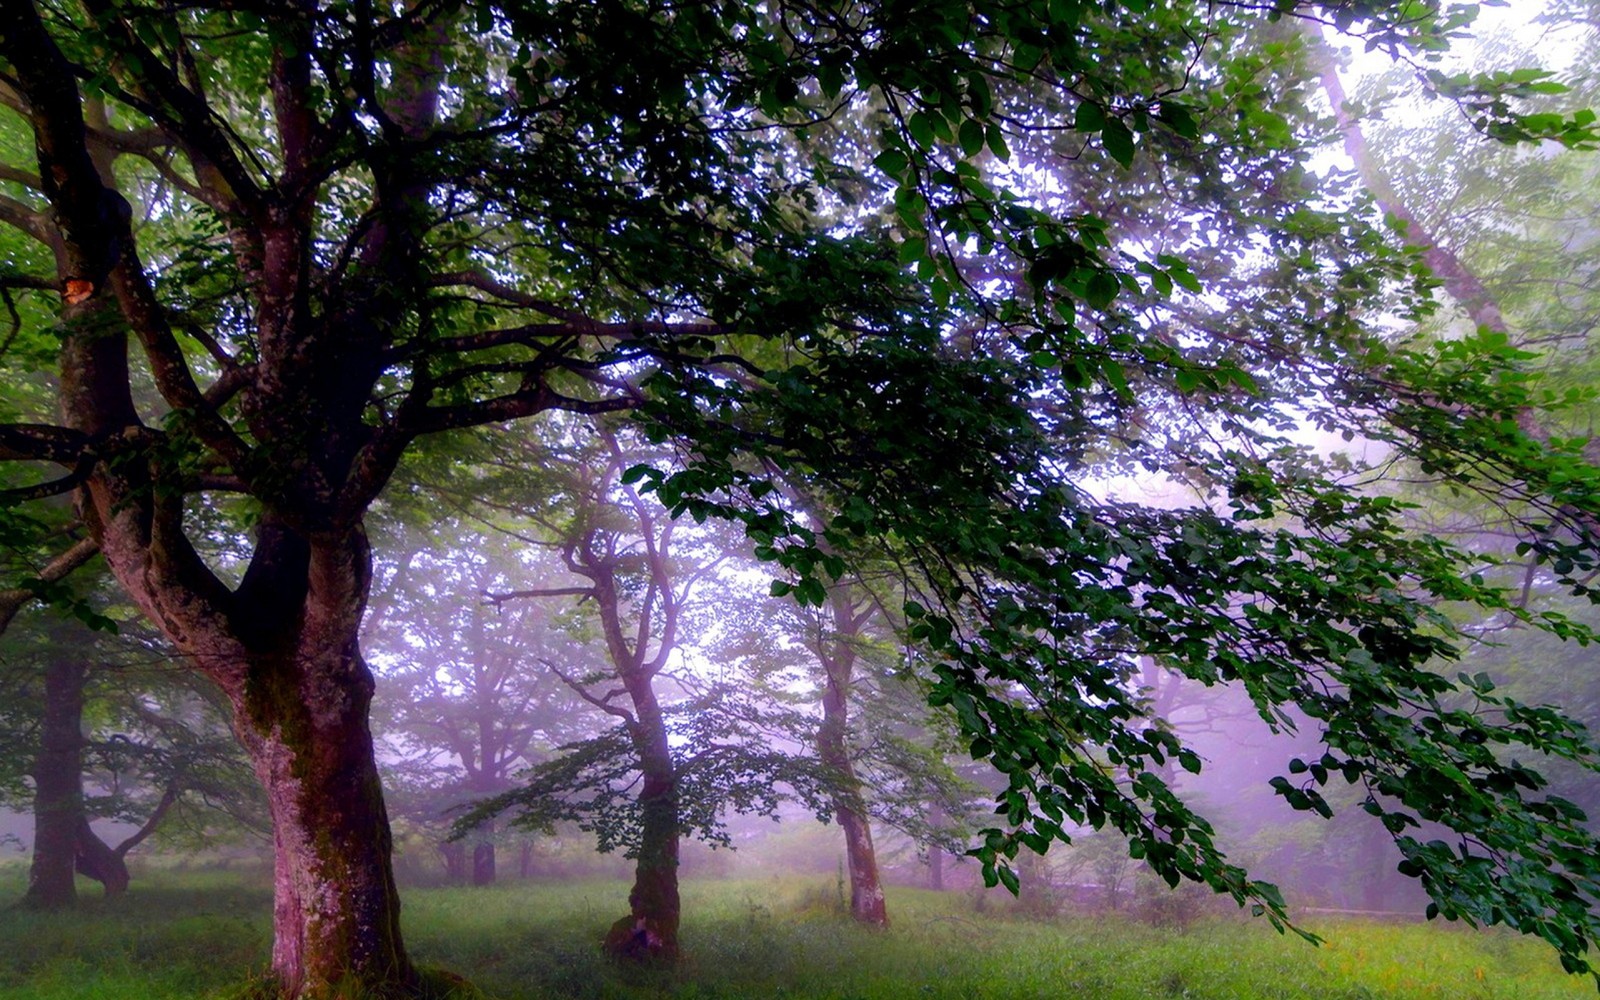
[602,702]
[168,799]
[26,219]
[513,595]
[41,443]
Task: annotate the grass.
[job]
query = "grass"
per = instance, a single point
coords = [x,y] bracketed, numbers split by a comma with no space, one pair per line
[194,936]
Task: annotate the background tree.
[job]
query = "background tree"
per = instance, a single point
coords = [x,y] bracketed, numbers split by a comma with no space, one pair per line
[466,701]
[104,731]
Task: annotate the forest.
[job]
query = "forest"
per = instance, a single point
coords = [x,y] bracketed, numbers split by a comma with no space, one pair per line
[793,497]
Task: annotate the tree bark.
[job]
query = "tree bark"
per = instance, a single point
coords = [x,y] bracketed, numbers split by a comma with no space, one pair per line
[336,910]
[99,861]
[282,645]
[867,904]
[849,811]
[936,853]
[650,931]
[483,860]
[454,855]
[57,790]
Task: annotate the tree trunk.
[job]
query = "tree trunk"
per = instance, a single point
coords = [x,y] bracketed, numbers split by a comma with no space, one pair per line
[57,790]
[866,891]
[336,913]
[483,862]
[525,859]
[867,903]
[99,861]
[936,869]
[650,931]
[454,855]
[1458,279]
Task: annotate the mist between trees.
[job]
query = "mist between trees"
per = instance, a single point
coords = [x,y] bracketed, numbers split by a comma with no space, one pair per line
[527,425]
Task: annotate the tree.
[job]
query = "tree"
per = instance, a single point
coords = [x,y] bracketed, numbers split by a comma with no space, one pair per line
[465,701]
[100,710]
[629,562]
[332,229]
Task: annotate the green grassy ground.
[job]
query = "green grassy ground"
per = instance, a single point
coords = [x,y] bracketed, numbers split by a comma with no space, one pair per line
[203,936]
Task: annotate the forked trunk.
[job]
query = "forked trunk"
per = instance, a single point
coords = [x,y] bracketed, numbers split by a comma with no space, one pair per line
[57,790]
[97,860]
[336,911]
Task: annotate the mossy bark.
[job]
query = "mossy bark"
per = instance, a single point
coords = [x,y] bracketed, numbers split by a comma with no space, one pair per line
[336,910]
[650,931]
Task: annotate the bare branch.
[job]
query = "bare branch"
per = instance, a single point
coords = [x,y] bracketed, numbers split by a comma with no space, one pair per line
[514,595]
[602,702]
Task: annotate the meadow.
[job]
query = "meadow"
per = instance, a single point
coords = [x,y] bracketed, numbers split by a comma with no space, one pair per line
[197,935]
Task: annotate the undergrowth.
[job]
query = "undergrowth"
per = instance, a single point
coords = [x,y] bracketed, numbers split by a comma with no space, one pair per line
[191,936]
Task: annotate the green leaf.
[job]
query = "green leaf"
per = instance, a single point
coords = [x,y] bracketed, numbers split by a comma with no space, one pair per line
[1118,141]
[997,143]
[972,137]
[1102,289]
[1178,118]
[1091,117]
[892,162]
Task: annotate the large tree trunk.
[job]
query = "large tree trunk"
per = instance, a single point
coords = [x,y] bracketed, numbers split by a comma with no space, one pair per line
[336,911]
[282,645]
[57,789]
[650,931]
[866,890]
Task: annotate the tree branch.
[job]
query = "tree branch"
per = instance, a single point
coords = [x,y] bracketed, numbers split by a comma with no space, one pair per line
[42,443]
[514,595]
[602,702]
[168,799]
[11,601]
